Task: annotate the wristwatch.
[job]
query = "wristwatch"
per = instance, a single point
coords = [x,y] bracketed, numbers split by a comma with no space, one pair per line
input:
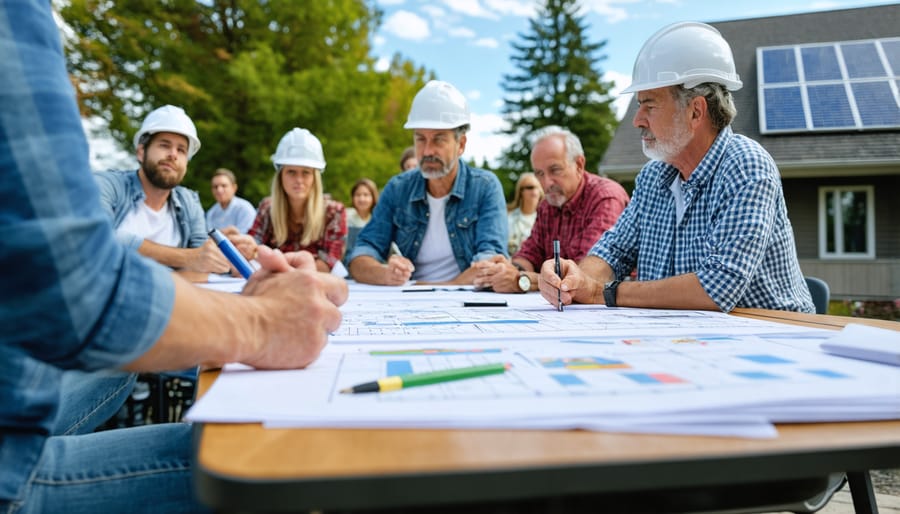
[609,292]
[524,282]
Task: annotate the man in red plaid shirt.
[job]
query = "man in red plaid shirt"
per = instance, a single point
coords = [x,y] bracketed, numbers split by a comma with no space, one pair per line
[577,208]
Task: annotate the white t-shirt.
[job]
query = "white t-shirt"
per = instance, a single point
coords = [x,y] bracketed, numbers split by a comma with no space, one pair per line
[678,196]
[157,226]
[435,262]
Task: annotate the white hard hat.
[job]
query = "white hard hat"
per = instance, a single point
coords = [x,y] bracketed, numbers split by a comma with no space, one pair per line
[169,118]
[438,105]
[687,53]
[299,148]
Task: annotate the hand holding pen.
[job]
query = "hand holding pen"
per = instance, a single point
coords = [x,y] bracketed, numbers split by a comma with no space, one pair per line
[550,282]
[399,269]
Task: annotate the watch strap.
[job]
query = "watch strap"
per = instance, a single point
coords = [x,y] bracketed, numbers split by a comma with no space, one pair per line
[609,292]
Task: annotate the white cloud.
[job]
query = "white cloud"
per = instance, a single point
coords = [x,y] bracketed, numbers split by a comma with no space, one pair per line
[608,9]
[484,140]
[382,64]
[391,2]
[525,8]
[620,102]
[461,32]
[473,94]
[470,8]
[378,41]
[487,42]
[433,11]
[407,25]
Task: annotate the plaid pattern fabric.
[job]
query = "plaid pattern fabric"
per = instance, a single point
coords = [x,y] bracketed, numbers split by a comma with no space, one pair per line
[735,234]
[331,243]
[578,224]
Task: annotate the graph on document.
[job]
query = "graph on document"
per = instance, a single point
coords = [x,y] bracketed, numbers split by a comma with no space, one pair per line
[598,367]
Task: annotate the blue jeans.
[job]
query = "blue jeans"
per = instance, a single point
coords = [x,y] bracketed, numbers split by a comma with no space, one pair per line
[138,469]
[87,400]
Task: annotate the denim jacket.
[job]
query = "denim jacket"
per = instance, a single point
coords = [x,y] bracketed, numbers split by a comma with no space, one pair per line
[475,216]
[120,191]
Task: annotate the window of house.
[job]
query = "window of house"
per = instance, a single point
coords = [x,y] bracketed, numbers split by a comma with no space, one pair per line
[847,222]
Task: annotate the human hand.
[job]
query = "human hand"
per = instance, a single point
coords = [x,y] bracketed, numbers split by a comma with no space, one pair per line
[243,242]
[397,271]
[207,258]
[496,273]
[298,307]
[565,288]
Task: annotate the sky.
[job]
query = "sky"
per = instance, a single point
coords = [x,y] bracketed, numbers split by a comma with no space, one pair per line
[468,42]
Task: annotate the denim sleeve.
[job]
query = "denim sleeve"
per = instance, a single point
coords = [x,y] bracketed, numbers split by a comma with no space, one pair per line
[196,219]
[110,192]
[76,297]
[493,228]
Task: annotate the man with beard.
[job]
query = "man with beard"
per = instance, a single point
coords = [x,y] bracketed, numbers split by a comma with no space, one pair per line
[444,216]
[150,211]
[578,208]
[707,226]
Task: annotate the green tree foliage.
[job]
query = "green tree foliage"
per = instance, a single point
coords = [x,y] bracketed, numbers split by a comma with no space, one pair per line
[558,82]
[246,71]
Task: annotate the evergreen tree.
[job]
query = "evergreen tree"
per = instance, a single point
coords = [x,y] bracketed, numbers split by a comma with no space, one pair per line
[246,72]
[558,82]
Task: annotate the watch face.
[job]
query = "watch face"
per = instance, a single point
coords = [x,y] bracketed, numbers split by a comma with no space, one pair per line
[524,283]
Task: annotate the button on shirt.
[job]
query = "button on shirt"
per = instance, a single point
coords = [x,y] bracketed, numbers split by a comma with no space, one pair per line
[578,224]
[734,234]
[82,301]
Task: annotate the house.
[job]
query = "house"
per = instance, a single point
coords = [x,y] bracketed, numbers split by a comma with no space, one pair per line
[830,111]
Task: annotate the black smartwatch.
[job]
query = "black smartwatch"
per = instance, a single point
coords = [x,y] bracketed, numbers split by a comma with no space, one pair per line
[609,292]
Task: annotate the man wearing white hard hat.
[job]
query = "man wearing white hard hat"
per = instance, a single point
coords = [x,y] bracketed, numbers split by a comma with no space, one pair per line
[707,227]
[443,216]
[150,211]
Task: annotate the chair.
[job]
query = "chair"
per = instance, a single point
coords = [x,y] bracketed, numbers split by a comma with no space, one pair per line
[820,293]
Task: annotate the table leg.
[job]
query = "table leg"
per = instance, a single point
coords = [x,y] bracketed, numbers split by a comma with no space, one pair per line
[862,493]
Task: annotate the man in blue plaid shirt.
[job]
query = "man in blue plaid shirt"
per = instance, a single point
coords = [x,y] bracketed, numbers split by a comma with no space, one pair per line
[707,226]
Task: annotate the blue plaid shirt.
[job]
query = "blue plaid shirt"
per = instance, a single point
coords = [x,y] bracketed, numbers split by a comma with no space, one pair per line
[735,233]
[71,297]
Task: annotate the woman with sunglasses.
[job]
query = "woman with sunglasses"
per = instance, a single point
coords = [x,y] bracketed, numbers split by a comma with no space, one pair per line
[522,211]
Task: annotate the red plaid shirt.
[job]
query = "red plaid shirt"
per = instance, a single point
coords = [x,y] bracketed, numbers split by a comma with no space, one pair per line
[578,224]
[331,243]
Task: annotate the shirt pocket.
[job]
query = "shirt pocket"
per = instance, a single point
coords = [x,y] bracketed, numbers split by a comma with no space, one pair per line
[465,228]
[408,229]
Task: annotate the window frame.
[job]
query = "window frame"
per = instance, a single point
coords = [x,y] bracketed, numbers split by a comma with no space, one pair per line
[824,254]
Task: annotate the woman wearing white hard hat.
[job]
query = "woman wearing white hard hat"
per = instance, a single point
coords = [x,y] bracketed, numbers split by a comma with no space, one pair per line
[297,216]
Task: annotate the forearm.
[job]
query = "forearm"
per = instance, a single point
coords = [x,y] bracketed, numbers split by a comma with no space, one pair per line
[168,255]
[597,273]
[206,327]
[679,292]
[367,270]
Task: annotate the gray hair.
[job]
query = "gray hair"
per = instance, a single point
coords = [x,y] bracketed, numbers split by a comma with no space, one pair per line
[570,140]
[719,102]
[461,130]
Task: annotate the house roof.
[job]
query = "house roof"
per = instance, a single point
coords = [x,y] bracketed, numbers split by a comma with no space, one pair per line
[796,154]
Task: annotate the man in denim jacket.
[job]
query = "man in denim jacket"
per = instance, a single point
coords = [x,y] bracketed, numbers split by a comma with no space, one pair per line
[443,216]
[151,212]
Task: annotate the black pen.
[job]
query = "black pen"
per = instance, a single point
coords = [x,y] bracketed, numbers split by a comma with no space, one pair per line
[559,305]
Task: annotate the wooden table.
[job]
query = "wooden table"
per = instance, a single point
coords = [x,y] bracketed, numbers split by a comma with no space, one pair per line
[243,467]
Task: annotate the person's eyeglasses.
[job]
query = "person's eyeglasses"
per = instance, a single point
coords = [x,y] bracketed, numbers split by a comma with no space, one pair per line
[528,188]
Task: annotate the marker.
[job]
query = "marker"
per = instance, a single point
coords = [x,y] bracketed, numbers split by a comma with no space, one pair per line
[234,256]
[559,305]
[397,382]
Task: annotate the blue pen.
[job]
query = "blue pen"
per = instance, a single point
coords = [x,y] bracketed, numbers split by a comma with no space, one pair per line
[234,256]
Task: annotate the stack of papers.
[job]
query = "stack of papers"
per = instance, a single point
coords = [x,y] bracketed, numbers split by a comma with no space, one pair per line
[589,367]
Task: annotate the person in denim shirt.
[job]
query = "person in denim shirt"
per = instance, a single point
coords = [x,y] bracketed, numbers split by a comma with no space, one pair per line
[150,211]
[443,216]
[74,298]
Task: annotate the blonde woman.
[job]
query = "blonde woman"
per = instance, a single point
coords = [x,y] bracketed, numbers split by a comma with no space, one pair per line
[297,216]
[523,210]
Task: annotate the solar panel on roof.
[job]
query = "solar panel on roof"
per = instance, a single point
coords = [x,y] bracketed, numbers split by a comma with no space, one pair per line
[842,85]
